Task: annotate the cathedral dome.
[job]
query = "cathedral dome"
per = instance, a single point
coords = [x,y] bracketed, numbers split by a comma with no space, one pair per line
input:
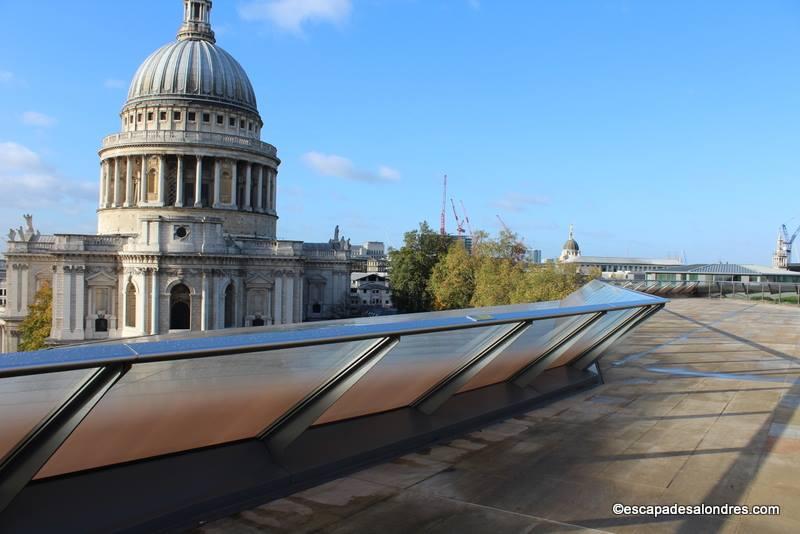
[571,245]
[193,68]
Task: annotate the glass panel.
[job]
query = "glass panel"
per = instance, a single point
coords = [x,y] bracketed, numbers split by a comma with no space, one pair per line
[26,400]
[527,348]
[593,334]
[415,365]
[166,407]
[542,334]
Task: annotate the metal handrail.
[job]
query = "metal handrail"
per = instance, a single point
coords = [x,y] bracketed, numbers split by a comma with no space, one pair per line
[111,362]
[93,356]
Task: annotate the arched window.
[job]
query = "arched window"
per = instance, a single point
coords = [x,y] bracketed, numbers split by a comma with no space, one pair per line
[180,314]
[152,185]
[130,305]
[230,307]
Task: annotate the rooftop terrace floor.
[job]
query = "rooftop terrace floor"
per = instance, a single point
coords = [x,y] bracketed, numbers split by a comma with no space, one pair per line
[700,405]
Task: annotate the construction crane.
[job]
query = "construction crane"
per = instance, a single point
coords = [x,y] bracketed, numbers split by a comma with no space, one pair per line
[504,225]
[520,249]
[787,241]
[466,218]
[459,223]
[442,223]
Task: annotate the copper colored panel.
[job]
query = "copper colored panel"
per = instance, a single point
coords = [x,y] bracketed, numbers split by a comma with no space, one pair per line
[26,400]
[408,371]
[162,408]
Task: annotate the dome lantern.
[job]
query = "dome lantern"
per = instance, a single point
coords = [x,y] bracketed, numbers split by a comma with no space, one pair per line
[196,21]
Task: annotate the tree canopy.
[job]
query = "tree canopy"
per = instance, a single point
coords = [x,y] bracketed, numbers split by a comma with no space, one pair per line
[410,268]
[35,328]
[497,272]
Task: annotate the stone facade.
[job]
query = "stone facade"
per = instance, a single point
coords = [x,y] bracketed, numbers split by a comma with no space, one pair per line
[187,217]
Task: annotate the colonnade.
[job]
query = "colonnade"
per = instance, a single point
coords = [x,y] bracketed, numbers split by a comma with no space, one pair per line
[121,186]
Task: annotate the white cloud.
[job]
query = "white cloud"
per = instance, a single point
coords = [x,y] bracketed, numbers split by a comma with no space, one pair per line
[340,167]
[25,182]
[291,15]
[34,118]
[519,202]
[113,83]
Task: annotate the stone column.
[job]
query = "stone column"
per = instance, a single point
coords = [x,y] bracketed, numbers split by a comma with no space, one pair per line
[217,179]
[260,194]
[162,179]
[66,299]
[248,185]
[205,293]
[179,184]
[129,200]
[116,184]
[288,299]
[80,291]
[298,298]
[234,182]
[277,299]
[154,301]
[274,181]
[198,183]
[143,182]
[102,201]
[141,300]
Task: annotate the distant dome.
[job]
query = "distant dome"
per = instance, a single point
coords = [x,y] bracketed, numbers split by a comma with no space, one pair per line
[193,69]
[571,245]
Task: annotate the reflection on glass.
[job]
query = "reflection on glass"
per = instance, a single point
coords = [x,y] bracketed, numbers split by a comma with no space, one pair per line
[161,408]
[26,400]
[415,365]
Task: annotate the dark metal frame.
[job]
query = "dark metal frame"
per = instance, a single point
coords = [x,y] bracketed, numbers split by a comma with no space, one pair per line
[287,428]
[590,356]
[525,376]
[432,400]
[22,464]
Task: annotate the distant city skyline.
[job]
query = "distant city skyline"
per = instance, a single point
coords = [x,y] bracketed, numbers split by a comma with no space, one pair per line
[653,128]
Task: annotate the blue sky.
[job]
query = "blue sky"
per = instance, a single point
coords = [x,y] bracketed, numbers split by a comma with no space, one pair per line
[653,127]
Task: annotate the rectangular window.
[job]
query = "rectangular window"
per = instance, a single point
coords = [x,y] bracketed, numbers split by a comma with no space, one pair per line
[220,119]
[232,121]
[163,115]
[138,117]
[192,116]
[149,115]
[250,127]
[241,124]
[125,120]
[206,117]
[176,115]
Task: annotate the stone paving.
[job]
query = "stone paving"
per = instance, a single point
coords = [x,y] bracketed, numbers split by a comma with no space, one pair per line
[700,405]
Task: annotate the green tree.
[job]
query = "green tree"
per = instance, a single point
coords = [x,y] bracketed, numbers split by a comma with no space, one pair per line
[452,281]
[410,268]
[35,329]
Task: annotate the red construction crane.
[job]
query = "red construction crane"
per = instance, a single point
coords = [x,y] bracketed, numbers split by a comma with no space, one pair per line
[442,228]
[466,218]
[459,223]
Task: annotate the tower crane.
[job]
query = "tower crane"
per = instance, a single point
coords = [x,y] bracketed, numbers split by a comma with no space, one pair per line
[520,249]
[459,223]
[466,218]
[788,240]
